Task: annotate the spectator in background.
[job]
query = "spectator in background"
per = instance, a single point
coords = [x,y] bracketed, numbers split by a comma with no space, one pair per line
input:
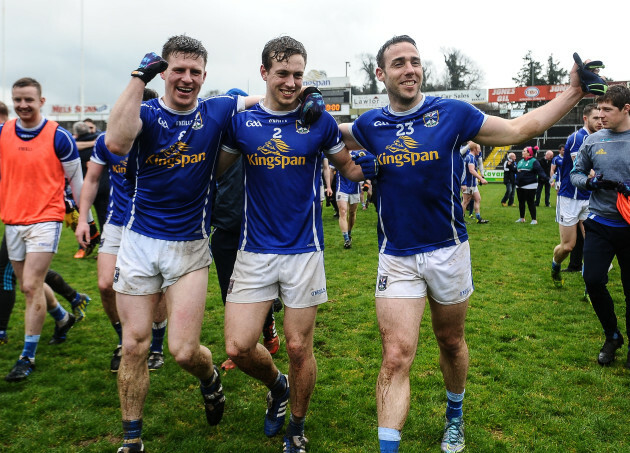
[471,176]
[509,179]
[528,173]
[92,126]
[4,113]
[543,183]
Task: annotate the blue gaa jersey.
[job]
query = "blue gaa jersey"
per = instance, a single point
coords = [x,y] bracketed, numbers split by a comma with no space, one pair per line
[469,179]
[282,171]
[418,184]
[116,169]
[557,161]
[171,168]
[571,149]
[344,185]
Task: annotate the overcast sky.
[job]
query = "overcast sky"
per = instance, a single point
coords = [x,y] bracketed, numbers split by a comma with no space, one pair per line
[42,38]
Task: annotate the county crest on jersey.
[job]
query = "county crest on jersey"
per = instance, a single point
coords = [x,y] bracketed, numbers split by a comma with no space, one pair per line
[171,167]
[420,170]
[282,171]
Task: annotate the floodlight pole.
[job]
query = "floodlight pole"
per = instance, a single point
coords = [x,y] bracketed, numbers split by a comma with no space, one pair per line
[347,64]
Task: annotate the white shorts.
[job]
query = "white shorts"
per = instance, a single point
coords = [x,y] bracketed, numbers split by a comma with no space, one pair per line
[110,239]
[350,198]
[570,211]
[470,189]
[444,274]
[147,266]
[36,238]
[298,279]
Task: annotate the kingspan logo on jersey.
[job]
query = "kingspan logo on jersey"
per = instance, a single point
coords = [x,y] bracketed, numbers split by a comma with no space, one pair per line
[121,167]
[174,156]
[401,153]
[275,154]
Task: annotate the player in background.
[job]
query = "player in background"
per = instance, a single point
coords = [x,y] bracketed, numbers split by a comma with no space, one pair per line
[348,196]
[572,206]
[472,177]
[36,157]
[282,154]
[425,255]
[606,154]
[102,163]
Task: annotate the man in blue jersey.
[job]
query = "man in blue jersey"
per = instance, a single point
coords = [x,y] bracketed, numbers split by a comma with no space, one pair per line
[572,203]
[172,144]
[281,250]
[36,156]
[425,254]
[470,190]
[116,166]
[348,195]
[606,154]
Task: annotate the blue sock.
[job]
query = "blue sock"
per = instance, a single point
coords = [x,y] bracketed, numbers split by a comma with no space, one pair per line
[555,266]
[58,313]
[280,386]
[158,331]
[388,439]
[346,237]
[30,346]
[118,328]
[454,404]
[207,386]
[478,216]
[295,426]
[132,430]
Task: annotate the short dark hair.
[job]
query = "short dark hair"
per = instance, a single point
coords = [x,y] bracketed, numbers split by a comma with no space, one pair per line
[617,95]
[4,110]
[185,45]
[281,49]
[28,82]
[588,108]
[149,94]
[380,59]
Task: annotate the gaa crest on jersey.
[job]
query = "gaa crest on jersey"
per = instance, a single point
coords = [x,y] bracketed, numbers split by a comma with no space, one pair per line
[198,123]
[431,119]
[116,274]
[382,282]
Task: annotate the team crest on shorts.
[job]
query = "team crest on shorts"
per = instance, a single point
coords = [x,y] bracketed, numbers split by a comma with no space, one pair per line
[230,286]
[431,119]
[116,273]
[382,282]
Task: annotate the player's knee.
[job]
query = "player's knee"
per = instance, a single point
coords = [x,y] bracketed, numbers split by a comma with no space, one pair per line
[397,358]
[450,342]
[298,351]
[239,351]
[134,349]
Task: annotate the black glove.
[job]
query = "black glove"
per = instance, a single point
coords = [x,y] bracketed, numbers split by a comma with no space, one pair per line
[95,238]
[150,66]
[312,107]
[624,188]
[368,163]
[591,82]
[598,182]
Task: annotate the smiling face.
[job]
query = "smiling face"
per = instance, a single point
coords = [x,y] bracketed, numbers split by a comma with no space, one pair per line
[183,79]
[402,75]
[27,103]
[284,83]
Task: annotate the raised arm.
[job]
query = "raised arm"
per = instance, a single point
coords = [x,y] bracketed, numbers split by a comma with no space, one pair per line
[124,121]
[500,131]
